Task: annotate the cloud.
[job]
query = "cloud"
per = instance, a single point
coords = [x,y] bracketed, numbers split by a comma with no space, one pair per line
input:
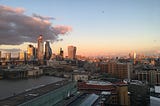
[43,17]
[61,29]
[10,9]
[17,27]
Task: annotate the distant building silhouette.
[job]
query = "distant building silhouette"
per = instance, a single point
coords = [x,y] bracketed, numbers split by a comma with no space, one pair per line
[72,52]
[48,51]
[30,52]
[132,55]
[7,56]
[0,54]
[40,48]
[22,55]
[61,52]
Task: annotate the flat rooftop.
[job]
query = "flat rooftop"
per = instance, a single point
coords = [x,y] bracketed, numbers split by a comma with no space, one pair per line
[31,94]
[92,82]
[83,99]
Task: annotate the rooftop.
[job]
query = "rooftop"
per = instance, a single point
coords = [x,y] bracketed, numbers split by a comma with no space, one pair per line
[89,101]
[31,94]
[137,82]
[98,83]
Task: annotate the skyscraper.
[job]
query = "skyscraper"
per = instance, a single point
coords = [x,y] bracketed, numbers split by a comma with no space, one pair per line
[40,48]
[48,51]
[132,55]
[8,56]
[30,52]
[0,54]
[71,52]
[61,52]
[22,55]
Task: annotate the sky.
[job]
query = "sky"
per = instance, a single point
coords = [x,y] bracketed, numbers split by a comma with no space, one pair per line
[95,27]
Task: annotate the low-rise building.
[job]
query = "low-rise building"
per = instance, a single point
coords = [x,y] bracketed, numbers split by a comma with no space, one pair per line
[15,73]
[118,92]
[35,72]
[82,76]
[148,74]
[118,70]
[55,62]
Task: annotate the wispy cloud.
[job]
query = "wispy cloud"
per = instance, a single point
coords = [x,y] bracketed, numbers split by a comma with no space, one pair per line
[43,17]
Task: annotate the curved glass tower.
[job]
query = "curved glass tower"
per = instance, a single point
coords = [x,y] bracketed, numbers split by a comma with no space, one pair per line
[48,51]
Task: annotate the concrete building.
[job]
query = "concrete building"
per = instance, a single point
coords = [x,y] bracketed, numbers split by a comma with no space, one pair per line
[72,52]
[118,70]
[152,76]
[35,72]
[55,62]
[48,51]
[103,67]
[80,76]
[15,73]
[40,51]
[123,95]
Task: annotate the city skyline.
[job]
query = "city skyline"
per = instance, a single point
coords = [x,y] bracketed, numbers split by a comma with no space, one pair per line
[99,28]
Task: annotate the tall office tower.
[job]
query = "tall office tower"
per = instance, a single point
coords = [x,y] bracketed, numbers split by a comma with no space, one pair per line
[61,52]
[22,55]
[0,54]
[8,56]
[35,52]
[30,52]
[48,51]
[40,48]
[132,55]
[71,52]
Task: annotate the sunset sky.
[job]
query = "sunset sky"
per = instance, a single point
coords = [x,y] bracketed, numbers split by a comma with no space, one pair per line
[95,27]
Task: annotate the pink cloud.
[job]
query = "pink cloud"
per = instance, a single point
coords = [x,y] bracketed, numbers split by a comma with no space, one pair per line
[10,9]
[17,27]
[62,29]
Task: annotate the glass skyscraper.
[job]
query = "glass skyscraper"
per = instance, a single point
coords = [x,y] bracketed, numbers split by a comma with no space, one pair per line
[48,51]
[40,50]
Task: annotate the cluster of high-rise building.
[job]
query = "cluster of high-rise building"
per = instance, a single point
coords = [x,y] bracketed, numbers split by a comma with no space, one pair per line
[113,81]
[45,54]
[41,53]
[38,53]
